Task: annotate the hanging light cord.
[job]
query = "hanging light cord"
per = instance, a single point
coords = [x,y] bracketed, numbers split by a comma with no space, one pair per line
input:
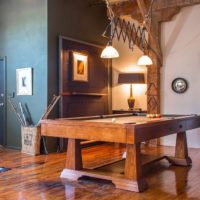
[111,18]
[110,11]
[148,16]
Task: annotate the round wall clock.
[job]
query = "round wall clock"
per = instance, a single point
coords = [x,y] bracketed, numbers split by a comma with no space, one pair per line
[179,85]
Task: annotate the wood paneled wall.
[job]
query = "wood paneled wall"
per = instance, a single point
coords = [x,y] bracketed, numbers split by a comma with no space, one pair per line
[83,98]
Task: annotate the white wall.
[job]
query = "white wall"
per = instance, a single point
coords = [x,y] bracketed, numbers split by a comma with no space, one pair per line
[181,54]
[127,63]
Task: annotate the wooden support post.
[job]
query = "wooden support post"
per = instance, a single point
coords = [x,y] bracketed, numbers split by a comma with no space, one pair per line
[73,160]
[181,151]
[133,171]
[153,74]
[74,157]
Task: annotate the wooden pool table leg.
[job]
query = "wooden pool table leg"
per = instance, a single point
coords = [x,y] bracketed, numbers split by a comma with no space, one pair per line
[181,151]
[134,180]
[73,160]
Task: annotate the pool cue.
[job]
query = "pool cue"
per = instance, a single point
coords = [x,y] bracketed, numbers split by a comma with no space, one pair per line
[51,107]
[22,113]
[28,115]
[54,98]
[15,111]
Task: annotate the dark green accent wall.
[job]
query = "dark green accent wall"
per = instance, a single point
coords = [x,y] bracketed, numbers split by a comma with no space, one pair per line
[23,40]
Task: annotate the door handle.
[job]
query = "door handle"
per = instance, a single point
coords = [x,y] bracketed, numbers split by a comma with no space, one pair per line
[1,104]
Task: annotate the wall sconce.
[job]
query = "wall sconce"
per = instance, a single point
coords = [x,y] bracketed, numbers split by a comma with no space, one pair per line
[131,78]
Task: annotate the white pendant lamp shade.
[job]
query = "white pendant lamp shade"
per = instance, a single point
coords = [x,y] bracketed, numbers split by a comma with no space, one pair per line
[144,60]
[109,52]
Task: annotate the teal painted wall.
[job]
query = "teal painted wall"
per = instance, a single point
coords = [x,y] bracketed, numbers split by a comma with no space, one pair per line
[23,40]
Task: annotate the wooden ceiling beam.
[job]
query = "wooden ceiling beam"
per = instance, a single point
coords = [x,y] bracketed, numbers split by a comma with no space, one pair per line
[142,7]
[160,4]
[167,14]
[125,8]
[137,17]
[131,7]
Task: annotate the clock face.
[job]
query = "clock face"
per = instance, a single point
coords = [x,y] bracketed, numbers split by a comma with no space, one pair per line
[179,85]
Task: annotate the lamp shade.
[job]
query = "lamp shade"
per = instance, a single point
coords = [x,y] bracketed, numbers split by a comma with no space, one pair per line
[134,78]
[109,52]
[144,60]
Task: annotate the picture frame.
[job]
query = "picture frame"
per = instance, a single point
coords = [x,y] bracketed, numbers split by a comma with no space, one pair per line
[24,81]
[80,67]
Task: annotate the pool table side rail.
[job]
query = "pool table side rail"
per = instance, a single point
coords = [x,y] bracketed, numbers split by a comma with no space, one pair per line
[120,133]
[86,131]
[164,128]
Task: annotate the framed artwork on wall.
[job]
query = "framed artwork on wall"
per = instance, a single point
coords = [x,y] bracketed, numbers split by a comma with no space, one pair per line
[80,67]
[24,81]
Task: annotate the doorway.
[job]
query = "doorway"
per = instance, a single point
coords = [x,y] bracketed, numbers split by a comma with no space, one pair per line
[2,100]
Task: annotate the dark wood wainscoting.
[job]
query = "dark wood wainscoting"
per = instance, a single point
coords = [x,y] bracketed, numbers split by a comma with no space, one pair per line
[74,106]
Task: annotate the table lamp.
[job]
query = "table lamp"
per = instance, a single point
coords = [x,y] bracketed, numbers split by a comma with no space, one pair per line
[131,78]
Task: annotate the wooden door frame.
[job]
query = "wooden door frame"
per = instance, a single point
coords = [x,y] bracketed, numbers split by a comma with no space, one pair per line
[4,59]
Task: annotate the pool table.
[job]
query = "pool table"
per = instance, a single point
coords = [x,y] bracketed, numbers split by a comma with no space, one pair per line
[129,129]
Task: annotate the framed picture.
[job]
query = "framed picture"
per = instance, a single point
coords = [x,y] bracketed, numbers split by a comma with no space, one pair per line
[24,81]
[80,67]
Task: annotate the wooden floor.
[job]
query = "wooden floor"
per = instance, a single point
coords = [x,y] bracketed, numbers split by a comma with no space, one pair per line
[38,177]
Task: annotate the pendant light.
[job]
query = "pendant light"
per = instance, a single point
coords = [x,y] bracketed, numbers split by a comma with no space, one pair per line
[145,59]
[109,51]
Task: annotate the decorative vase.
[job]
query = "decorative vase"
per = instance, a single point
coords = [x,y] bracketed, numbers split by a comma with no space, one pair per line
[131,102]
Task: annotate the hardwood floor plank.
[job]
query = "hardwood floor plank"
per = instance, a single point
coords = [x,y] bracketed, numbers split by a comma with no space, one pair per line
[37,177]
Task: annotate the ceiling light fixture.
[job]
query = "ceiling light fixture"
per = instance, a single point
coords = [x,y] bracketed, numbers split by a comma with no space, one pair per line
[145,59]
[109,51]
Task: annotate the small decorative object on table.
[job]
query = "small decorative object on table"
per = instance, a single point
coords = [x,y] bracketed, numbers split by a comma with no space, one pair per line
[153,115]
